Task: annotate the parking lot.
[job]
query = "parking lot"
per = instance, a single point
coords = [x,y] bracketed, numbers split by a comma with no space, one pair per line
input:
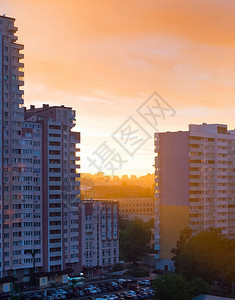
[119,289]
[115,290]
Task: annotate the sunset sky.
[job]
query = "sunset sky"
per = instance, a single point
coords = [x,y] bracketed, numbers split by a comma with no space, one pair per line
[105,58]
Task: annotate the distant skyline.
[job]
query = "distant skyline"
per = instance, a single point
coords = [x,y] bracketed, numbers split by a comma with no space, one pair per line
[106,58]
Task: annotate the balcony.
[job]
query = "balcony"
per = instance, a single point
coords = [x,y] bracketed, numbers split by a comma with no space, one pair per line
[157,148]
[197,157]
[196,142]
[196,180]
[223,218]
[20,82]
[13,37]
[12,27]
[20,55]
[196,165]
[19,46]
[197,188]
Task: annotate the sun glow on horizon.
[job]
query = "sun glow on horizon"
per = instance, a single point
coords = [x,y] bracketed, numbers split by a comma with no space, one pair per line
[105,59]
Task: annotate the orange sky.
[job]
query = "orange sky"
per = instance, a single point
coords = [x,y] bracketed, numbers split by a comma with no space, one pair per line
[105,58]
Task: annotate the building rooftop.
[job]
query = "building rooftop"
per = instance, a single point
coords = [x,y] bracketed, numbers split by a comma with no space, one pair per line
[214,128]
[7,279]
[32,110]
[99,200]
[10,18]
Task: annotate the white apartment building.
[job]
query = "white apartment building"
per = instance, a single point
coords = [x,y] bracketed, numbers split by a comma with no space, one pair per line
[99,235]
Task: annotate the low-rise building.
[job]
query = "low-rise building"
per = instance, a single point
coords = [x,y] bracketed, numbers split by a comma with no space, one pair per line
[131,208]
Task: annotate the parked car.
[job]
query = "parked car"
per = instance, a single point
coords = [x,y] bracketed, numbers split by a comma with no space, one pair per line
[121,280]
[70,295]
[92,286]
[130,297]
[58,296]
[123,294]
[79,294]
[132,293]
[112,297]
[87,291]
[132,287]
[139,296]
[61,291]
[103,288]
[93,291]
[145,295]
[36,296]
[145,282]
[109,288]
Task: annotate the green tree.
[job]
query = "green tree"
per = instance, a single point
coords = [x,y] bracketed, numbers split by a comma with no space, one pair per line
[198,286]
[150,223]
[206,255]
[133,240]
[171,287]
[185,235]
[176,287]
[230,262]
[123,224]
[118,267]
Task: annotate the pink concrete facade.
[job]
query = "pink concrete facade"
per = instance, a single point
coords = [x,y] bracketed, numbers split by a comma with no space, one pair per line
[194,174]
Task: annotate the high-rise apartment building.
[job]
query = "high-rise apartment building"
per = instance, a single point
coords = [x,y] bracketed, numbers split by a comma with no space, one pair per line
[60,187]
[12,118]
[194,185]
[39,175]
[99,236]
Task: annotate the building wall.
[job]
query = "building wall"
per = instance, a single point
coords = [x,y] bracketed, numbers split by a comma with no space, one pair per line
[12,118]
[1,157]
[99,235]
[171,191]
[195,179]
[130,208]
[212,178]
[33,194]
[61,186]
[174,218]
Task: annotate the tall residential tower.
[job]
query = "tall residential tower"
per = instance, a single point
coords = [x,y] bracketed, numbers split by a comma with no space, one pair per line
[11,121]
[194,185]
[39,176]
